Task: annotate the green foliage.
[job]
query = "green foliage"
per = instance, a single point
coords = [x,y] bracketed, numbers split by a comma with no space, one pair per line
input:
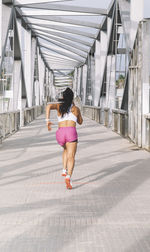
[120,81]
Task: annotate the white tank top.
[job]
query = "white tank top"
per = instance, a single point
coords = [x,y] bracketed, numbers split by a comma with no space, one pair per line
[67,116]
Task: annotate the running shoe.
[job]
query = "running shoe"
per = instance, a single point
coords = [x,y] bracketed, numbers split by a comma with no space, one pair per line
[64,173]
[68,182]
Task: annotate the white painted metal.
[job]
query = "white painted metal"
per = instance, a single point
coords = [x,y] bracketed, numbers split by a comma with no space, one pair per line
[0,30]
[68,8]
[103,58]
[80,39]
[17,85]
[28,66]
[79,81]
[97,84]
[136,15]
[64,46]
[66,21]
[84,82]
[67,30]
[6,15]
[41,78]
[111,79]
[75,57]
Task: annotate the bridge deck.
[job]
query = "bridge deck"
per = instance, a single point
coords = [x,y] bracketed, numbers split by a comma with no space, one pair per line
[108,209]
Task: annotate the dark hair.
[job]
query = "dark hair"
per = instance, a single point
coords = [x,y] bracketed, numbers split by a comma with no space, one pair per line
[66,101]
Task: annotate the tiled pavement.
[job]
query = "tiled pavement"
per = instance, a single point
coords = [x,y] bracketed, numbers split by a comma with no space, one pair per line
[108,209]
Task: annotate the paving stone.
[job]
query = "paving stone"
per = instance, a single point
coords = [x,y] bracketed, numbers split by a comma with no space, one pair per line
[108,209]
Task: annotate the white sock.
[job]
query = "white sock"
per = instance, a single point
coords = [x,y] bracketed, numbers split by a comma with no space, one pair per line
[68,176]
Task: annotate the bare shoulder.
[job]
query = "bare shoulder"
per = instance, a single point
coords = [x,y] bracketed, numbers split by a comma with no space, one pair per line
[76,110]
[54,105]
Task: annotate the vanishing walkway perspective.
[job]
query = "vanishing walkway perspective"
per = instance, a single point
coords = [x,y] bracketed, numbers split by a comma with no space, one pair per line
[108,209]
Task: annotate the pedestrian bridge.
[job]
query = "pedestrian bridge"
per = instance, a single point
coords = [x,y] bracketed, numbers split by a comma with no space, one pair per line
[107,210]
[101,50]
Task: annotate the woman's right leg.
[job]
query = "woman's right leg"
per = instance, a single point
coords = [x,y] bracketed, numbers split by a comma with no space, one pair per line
[64,159]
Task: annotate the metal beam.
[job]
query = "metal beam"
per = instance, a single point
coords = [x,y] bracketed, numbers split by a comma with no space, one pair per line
[65,36]
[67,42]
[44,2]
[62,86]
[77,58]
[62,78]
[68,8]
[61,73]
[60,19]
[63,82]
[68,30]
[63,64]
[60,62]
[59,57]
[7,2]
[68,48]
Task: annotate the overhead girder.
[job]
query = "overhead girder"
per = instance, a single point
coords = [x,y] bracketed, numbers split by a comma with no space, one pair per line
[61,73]
[67,42]
[58,60]
[62,78]
[61,63]
[59,80]
[75,57]
[34,2]
[69,30]
[66,36]
[73,54]
[61,57]
[63,81]
[68,8]
[66,47]
[60,19]
[62,86]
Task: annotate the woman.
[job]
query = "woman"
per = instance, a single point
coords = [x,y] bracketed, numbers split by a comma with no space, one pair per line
[66,135]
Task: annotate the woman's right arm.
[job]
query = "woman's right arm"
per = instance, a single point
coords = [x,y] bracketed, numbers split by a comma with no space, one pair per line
[48,108]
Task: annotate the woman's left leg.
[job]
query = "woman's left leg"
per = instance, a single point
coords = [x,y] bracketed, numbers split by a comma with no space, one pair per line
[71,151]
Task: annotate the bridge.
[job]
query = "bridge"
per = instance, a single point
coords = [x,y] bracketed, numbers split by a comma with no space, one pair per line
[102,51]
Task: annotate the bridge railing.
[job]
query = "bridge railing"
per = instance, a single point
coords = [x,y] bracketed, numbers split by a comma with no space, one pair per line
[147,135]
[30,114]
[120,122]
[117,119]
[92,112]
[10,122]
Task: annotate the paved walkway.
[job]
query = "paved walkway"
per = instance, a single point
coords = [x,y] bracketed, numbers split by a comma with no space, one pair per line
[107,211]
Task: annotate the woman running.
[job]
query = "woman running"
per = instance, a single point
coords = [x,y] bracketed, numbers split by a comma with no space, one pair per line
[66,135]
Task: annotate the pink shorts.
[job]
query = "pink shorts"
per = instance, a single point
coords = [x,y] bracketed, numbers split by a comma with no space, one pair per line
[66,134]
